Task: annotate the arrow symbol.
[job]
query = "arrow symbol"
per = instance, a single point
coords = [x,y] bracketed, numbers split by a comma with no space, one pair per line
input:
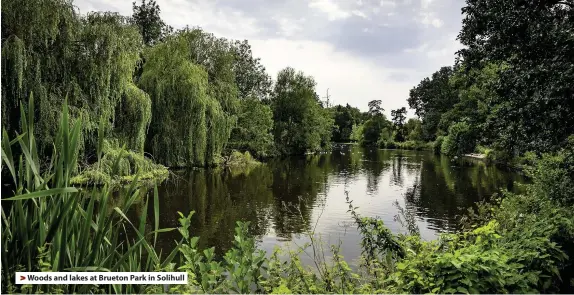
[22,278]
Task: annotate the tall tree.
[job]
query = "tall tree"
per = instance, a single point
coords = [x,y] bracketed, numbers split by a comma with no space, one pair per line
[52,52]
[250,75]
[301,123]
[431,98]
[374,126]
[253,130]
[189,127]
[413,129]
[375,108]
[534,108]
[399,117]
[147,17]
[345,118]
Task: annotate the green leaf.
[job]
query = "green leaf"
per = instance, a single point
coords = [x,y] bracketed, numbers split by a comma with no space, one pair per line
[44,193]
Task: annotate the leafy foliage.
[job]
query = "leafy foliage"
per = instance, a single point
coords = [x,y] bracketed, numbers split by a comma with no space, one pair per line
[188,126]
[345,118]
[119,166]
[460,140]
[250,75]
[47,217]
[534,40]
[413,130]
[146,17]
[398,118]
[301,124]
[253,131]
[521,245]
[53,52]
[431,98]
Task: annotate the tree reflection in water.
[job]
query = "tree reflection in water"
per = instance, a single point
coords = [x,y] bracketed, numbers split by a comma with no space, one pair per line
[283,197]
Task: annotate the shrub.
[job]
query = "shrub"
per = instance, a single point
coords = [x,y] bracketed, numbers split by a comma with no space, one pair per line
[437,144]
[461,139]
[553,175]
[119,166]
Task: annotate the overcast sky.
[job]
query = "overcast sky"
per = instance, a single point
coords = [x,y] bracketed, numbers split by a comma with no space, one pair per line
[360,49]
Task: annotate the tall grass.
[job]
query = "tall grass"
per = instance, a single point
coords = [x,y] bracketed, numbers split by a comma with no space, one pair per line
[52,226]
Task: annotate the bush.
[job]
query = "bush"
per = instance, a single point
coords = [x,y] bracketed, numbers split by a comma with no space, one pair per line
[461,139]
[553,175]
[406,145]
[437,144]
[119,166]
[238,159]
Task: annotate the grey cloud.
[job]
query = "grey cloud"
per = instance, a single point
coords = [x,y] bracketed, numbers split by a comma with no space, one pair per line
[383,36]
[361,36]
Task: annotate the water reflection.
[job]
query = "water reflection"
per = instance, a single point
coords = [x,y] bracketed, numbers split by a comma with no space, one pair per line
[283,199]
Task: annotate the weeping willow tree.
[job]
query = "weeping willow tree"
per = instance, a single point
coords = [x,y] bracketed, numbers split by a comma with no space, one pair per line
[49,50]
[109,55]
[216,55]
[191,116]
[38,39]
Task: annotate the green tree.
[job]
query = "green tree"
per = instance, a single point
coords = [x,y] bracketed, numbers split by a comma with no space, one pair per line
[533,109]
[189,127]
[413,129]
[357,133]
[375,108]
[461,139]
[146,17]
[253,130]
[300,122]
[250,74]
[345,118]
[476,92]
[431,98]
[374,126]
[399,117]
[52,52]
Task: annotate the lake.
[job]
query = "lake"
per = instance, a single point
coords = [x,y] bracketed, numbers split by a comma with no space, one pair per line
[285,199]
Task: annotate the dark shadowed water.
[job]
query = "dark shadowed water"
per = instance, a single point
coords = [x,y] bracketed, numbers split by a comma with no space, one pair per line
[284,199]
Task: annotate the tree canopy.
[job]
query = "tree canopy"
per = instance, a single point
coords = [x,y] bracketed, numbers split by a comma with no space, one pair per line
[512,82]
[301,124]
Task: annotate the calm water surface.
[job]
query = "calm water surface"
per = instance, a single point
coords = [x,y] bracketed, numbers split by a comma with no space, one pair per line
[284,199]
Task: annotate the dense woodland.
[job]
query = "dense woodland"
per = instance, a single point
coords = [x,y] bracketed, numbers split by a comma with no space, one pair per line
[185,97]
[86,98]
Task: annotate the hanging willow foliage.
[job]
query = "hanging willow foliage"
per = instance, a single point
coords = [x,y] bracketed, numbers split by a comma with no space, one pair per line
[216,55]
[133,117]
[49,50]
[178,88]
[189,126]
[37,37]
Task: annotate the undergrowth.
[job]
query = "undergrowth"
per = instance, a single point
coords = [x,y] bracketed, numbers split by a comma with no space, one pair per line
[119,166]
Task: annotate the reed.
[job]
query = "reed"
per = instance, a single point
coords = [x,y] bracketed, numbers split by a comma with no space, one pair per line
[48,225]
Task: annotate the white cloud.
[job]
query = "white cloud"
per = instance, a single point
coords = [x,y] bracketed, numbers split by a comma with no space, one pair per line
[426,3]
[179,13]
[333,11]
[359,14]
[428,18]
[288,27]
[350,79]
[388,3]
